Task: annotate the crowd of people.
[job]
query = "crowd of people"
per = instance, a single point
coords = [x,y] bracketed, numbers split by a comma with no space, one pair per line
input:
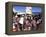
[26,22]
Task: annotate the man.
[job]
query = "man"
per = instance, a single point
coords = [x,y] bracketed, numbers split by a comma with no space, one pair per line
[16,23]
[21,22]
[39,22]
[34,23]
[27,24]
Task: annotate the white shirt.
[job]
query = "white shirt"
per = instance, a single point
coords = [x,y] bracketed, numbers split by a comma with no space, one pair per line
[21,20]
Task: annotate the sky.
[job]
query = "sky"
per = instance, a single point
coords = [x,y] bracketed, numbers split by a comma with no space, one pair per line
[19,8]
[23,9]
